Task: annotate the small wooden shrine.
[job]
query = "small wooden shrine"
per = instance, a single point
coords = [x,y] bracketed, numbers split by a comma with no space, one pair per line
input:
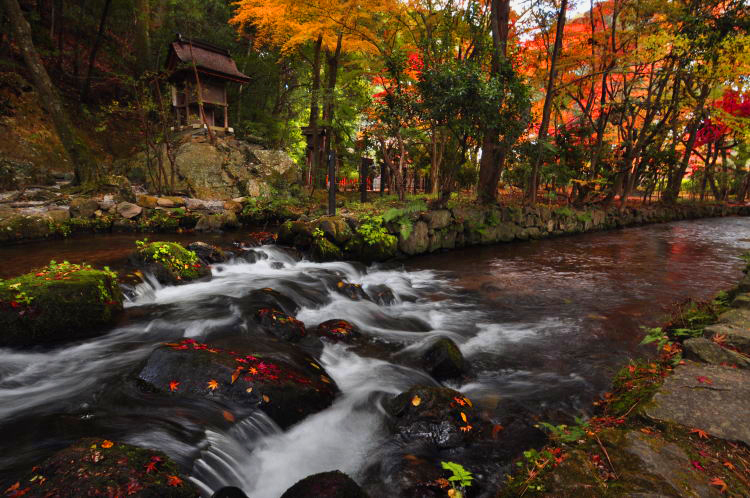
[198,65]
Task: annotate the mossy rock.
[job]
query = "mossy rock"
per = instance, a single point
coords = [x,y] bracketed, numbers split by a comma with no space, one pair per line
[99,467]
[169,262]
[325,250]
[336,229]
[25,227]
[262,374]
[334,484]
[381,250]
[443,360]
[57,303]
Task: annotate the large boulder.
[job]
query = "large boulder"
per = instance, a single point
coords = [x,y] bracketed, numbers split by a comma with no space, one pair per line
[226,169]
[168,262]
[57,303]
[258,299]
[333,484]
[24,227]
[437,416]
[277,379]
[99,467]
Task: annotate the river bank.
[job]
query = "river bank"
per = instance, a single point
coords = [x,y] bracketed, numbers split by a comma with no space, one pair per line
[674,425]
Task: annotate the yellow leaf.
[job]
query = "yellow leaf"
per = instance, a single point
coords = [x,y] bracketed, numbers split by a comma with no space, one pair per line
[266,399]
[249,390]
[107,444]
[416,400]
[463,417]
[468,402]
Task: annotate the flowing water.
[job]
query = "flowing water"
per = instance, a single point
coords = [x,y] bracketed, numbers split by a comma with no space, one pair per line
[543,324]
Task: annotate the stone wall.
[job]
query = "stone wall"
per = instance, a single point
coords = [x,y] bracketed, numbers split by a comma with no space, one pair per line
[430,231]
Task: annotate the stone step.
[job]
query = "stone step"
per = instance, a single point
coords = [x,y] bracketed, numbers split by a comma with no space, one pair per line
[735,325]
[715,399]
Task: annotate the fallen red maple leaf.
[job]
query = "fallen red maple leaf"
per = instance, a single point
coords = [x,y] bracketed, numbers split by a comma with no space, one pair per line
[704,380]
[701,433]
[719,482]
[174,481]
[697,465]
[173,385]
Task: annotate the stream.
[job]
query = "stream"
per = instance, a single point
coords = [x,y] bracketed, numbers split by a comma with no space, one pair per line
[544,326]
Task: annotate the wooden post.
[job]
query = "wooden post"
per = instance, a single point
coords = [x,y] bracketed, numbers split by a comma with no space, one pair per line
[363,180]
[331,183]
[382,178]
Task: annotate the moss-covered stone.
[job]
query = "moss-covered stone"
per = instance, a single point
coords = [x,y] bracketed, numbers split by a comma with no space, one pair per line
[335,228]
[443,360]
[325,250]
[25,227]
[57,303]
[99,467]
[169,262]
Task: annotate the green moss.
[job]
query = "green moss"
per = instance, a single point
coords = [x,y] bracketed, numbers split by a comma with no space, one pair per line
[180,262]
[58,302]
[325,250]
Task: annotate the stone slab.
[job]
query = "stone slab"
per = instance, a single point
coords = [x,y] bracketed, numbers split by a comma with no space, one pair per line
[713,398]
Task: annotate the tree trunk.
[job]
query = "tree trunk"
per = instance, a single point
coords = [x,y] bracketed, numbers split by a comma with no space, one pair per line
[94,50]
[329,100]
[142,36]
[547,109]
[315,114]
[84,165]
[493,158]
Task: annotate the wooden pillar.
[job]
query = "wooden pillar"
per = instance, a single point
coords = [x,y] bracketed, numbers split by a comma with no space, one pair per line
[363,180]
[331,183]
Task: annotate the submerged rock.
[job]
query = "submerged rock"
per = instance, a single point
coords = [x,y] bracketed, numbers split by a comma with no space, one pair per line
[96,467]
[334,484]
[283,382]
[258,299]
[382,294]
[439,416]
[57,303]
[443,360]
[169,262]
